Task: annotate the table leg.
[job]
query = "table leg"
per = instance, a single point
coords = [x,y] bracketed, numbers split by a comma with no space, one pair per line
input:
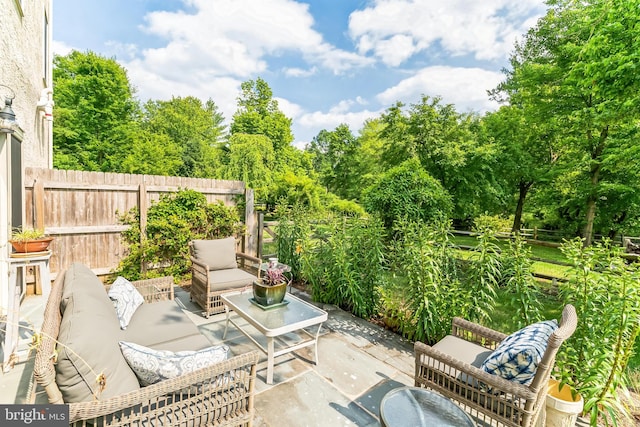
[270,360]
[13,319]
[226,325]
[316,345]
[46,279]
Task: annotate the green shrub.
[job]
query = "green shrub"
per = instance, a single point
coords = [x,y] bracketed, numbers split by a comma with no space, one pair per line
[407,191]
[341,207]
[172,222]
[493,222]
[291,189]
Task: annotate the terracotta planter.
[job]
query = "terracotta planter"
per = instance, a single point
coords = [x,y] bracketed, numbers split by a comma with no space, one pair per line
[37,245]
[269,295]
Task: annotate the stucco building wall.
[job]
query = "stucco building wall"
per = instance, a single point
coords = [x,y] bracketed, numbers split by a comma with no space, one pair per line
[25,68]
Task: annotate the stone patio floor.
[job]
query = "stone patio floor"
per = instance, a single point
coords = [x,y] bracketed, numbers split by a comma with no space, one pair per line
[358,364]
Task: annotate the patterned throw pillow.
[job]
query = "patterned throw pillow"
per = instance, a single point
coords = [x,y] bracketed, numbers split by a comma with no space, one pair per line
[126,300]
[518,355]
[152,366]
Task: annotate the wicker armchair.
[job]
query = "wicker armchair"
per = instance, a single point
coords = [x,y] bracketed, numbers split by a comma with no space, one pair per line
[452,368]
[217,268]
[220,395]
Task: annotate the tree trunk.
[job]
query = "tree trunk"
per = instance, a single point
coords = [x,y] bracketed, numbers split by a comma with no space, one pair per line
[594,173]
[523,188]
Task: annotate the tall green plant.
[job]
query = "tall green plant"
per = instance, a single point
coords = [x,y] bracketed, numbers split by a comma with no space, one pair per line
[424,259]
[524,303]
[483,273]
[344,265]
[606,293]
[294,229]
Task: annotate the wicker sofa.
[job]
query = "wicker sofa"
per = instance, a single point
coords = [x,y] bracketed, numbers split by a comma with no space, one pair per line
[78,360]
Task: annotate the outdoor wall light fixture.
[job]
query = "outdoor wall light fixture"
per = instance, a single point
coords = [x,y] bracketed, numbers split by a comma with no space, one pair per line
[7,116]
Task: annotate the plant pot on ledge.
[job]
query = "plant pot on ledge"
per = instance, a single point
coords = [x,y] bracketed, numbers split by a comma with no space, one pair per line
[35,245]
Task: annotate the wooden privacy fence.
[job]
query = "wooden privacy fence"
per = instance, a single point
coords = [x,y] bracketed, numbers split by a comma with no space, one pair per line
[80,209]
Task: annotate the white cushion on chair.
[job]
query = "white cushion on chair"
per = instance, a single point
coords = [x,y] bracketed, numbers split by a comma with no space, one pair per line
[218,254]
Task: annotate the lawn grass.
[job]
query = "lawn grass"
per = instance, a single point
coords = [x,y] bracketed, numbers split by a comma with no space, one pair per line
[547,253]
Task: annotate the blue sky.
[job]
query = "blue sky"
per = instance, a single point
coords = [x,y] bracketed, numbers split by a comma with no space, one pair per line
[327,61]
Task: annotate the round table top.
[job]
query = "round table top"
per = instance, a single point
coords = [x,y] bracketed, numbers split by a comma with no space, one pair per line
[414,406]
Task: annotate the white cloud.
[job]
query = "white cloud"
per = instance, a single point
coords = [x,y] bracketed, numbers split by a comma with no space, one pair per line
[290,109]
[230,40]
[299,72]
[235,36]
[396,49]
[336,116]
[394,30]
[464,87]
[61,48]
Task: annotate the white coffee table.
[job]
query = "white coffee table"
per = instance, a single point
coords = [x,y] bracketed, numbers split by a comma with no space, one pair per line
[275,322]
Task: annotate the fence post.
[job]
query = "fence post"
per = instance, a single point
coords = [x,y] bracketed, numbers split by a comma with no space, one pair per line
[38,205]
[260,234]
[250,222]
[142,207]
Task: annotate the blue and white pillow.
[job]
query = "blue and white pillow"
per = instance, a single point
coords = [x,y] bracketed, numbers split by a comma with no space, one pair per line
[126,299]
[152,366]
[517,356]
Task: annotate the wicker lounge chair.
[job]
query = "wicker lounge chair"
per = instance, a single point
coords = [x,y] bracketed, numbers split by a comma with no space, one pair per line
[217,268]
[452,368]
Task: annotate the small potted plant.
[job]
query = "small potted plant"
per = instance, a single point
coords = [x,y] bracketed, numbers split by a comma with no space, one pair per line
[271,288]
[26,240]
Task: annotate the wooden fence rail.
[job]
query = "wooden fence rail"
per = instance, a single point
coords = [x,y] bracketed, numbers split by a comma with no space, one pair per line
[81,209]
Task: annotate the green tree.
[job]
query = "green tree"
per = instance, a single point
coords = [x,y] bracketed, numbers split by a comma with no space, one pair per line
[334,157]
[152,154]
[526,154]
[95,111]
[258,114]
[408,192]
[194,130]
[575,70]
[250,158]
[446,144]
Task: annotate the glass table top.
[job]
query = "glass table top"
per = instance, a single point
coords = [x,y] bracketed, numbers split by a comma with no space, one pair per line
[294,315]
[412,406]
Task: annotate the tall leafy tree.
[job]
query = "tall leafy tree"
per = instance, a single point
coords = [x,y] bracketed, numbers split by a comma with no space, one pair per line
[576,70]
[95,111]
[446,144]
[258,114]
[250,159]
[525,154]
[194,129]
[335,153]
